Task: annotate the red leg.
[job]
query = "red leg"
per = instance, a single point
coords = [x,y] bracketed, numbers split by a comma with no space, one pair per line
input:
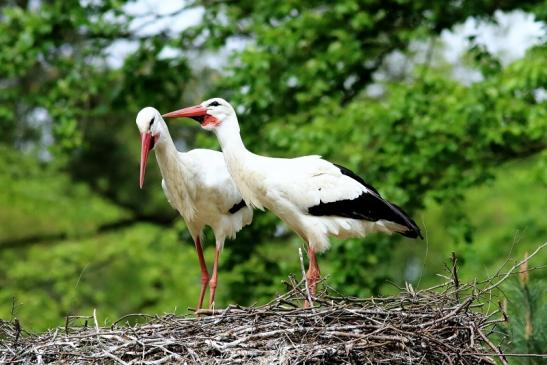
[313,274]
[204,272]
[214,278]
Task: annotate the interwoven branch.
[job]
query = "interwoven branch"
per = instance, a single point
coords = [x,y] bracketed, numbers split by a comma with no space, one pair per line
[425,326]
[447,324]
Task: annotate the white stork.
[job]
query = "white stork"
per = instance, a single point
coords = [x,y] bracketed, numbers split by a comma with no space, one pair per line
[314,197]
[197,184]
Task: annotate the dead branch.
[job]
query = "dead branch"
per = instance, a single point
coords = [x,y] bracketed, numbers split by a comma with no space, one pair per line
[447,324]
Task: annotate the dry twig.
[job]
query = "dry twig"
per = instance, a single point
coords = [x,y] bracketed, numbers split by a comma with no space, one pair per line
[418,326]
[446,324]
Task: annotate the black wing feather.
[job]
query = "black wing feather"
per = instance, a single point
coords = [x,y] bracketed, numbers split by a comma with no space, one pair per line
[237,207]
[354,176]
[369,206]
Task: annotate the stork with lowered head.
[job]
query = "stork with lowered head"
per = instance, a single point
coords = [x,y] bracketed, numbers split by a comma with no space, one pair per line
[197,184]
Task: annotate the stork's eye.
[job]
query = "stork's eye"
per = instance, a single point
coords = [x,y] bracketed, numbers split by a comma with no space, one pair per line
[214,103]
[152,122]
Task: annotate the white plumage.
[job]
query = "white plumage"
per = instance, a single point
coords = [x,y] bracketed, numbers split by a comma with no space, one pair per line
[211,193]
[197,184]
[314,197]
[290,187]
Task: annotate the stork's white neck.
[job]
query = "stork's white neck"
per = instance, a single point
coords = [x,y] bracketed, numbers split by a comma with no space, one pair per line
[165,150]
[229,137]
[172,168]
[241,162]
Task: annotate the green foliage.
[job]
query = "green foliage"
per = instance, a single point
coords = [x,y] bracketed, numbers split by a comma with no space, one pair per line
[505,223]
[56,79]
[527,319]
[302,54]
[45,62]
[138,269]
[38,201]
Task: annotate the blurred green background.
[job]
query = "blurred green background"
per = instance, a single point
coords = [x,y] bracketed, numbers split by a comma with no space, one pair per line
[442,106]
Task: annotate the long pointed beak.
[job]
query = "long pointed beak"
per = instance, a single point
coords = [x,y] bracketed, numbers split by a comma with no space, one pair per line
[145,148]
[193,111]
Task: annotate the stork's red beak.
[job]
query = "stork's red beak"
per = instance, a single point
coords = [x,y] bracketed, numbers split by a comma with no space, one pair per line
[146,138]
[190,112]
[196,112]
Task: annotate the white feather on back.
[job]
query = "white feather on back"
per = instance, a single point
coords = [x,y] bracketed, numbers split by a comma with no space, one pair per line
[308,181]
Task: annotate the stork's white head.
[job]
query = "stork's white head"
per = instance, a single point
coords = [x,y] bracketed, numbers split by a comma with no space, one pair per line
[212,114]
[148,121]
[152,127]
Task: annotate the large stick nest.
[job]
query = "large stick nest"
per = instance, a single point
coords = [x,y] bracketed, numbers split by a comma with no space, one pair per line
[442,325]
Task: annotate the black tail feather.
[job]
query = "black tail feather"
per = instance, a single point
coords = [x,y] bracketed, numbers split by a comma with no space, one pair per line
[368,206]
[413,229]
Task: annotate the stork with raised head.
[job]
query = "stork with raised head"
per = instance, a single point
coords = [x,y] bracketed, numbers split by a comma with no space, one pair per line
[197,184]
[314,197]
